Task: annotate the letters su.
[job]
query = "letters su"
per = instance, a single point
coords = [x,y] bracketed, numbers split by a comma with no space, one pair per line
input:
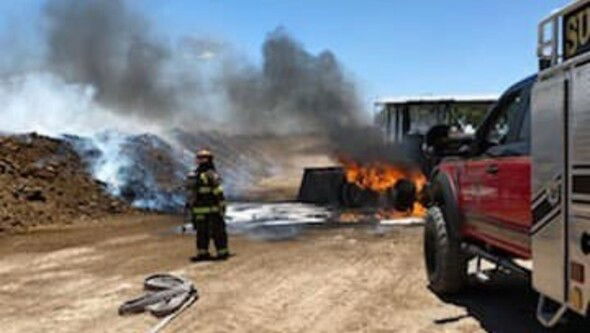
[577,32]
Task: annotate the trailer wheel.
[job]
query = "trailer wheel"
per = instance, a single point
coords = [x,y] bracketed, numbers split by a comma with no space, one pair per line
[446,265]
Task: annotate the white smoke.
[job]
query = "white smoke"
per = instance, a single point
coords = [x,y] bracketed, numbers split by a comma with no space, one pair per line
[44,103]
[111,160]
[116,160]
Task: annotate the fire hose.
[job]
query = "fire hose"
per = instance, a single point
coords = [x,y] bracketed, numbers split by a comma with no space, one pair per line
[166,297]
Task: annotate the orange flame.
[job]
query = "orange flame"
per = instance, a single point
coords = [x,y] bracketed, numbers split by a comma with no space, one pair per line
[417,211]
[380,177]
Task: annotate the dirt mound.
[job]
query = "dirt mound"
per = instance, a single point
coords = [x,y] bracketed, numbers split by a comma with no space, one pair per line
[43,181]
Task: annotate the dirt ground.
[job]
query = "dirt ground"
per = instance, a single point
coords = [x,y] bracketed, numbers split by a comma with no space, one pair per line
[322,280]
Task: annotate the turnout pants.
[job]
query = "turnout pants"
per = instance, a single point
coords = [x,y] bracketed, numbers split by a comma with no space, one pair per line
[211,226]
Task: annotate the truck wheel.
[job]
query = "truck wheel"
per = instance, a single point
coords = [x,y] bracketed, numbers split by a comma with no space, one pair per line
[446,266]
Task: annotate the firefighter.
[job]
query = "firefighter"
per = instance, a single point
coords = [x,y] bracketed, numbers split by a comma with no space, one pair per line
[206,203]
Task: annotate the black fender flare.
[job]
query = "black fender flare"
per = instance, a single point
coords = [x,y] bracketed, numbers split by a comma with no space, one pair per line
[441,192]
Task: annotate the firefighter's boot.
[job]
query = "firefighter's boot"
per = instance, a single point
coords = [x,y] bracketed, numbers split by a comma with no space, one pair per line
[202,256]
[223,254]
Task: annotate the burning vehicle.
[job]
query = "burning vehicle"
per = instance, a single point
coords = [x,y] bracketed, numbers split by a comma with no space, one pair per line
[392,183]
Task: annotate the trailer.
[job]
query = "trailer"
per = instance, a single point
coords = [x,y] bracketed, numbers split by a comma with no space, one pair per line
[403,116]
[520,189]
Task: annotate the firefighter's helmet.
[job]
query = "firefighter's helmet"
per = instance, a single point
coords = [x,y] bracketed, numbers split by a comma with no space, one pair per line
[204,153]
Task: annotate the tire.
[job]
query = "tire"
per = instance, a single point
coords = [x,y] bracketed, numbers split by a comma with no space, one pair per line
[352,196]
[405,195]
[446,265]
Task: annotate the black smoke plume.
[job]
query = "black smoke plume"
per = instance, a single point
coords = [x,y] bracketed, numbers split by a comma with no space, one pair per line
[293,90]
[104,44]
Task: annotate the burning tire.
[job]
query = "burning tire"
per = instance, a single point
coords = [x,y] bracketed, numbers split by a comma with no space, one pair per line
[404,195]
[354,196]
[446,265]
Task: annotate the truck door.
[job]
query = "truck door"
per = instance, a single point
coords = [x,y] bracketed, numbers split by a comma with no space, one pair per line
[508,165]
[501,176]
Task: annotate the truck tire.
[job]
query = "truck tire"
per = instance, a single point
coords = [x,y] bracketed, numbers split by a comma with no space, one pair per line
[446,265]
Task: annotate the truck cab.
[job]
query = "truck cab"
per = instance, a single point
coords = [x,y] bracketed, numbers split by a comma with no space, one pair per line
[492,178]
[520,187]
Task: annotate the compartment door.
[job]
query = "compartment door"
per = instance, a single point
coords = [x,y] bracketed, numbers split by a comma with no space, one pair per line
[579,221]
[548,141]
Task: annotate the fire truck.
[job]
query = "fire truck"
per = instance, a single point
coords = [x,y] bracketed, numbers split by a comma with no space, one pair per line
[519,189]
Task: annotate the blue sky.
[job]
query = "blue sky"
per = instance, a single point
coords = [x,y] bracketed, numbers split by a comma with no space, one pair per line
[390,47]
